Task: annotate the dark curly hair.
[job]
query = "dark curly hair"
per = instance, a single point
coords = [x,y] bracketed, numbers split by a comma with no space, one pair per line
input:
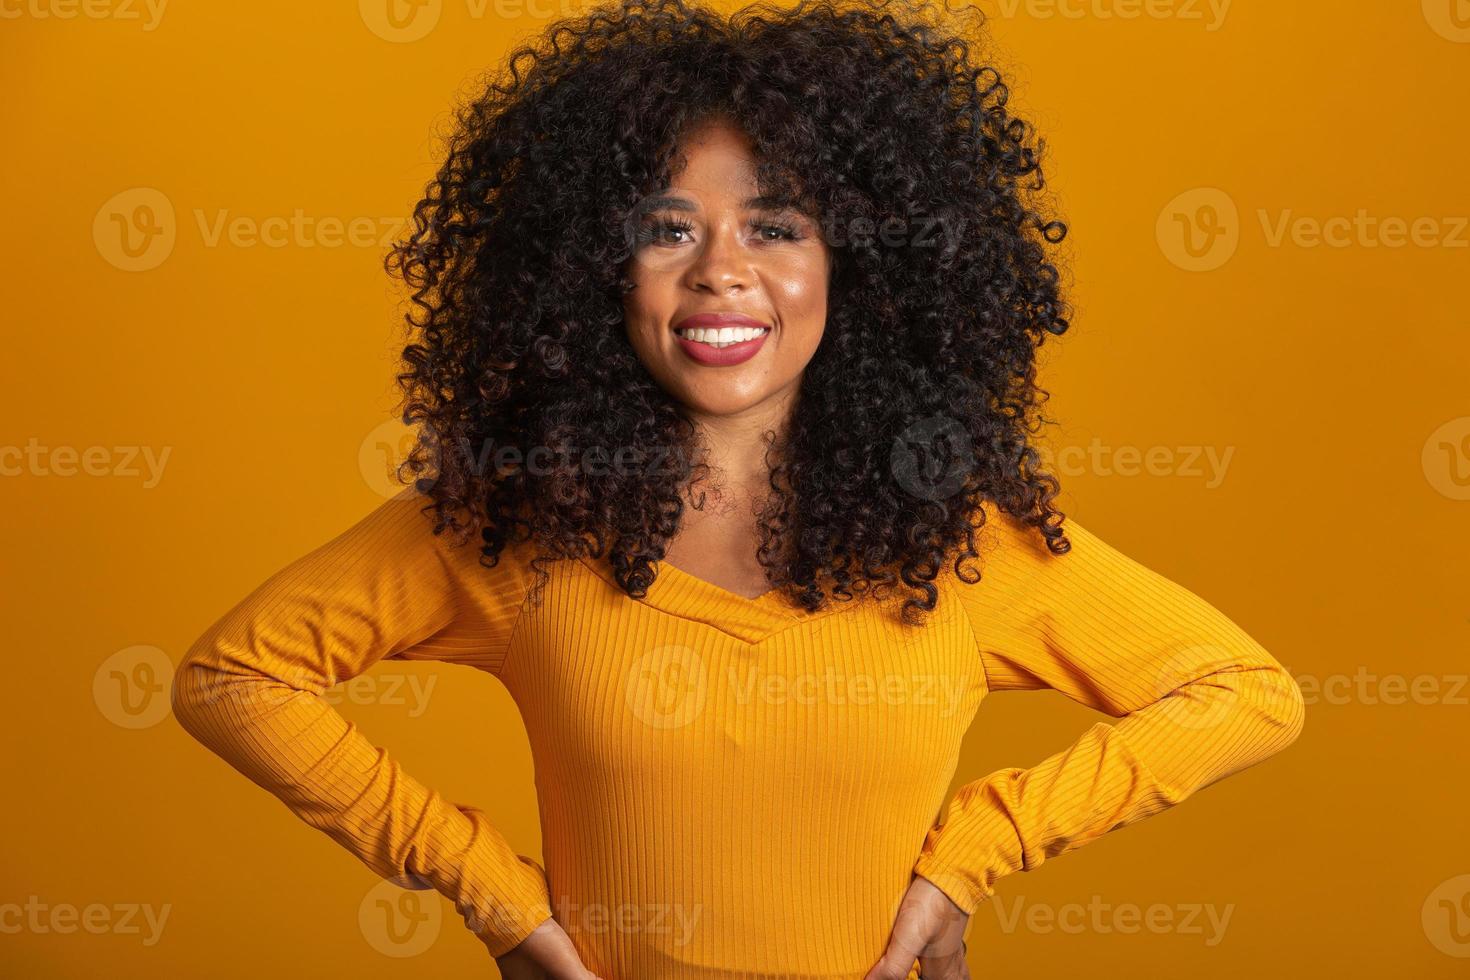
[917,407]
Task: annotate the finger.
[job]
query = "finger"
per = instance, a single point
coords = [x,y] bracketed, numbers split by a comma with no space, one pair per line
[520,968]
[550,954]
[944,966]
[898,959]
[562,962]
[950,966]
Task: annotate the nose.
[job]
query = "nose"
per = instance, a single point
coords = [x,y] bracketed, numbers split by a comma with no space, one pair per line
[721,265]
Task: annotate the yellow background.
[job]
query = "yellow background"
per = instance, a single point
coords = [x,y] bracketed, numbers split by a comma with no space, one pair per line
[1328,379]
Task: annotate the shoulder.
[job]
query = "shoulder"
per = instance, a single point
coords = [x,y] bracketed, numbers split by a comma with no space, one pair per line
[1016,564]
[1008,544]
[406,527]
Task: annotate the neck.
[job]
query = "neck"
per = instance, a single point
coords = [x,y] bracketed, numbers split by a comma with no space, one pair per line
[735,445]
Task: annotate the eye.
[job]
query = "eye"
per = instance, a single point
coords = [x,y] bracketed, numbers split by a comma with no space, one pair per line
[775,230]
[656,230]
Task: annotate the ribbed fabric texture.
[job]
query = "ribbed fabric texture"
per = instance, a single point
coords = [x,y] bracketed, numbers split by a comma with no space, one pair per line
[731,787]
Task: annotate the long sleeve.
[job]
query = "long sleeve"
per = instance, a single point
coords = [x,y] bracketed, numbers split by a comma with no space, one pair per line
[386,588]
[1198,700]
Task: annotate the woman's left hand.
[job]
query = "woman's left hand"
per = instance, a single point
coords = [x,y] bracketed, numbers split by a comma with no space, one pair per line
[929,928]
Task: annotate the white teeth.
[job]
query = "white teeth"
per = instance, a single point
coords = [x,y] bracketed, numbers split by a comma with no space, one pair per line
[722,336]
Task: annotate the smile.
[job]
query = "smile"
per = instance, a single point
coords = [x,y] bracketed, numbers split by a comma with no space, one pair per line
[722,337]
[721,346]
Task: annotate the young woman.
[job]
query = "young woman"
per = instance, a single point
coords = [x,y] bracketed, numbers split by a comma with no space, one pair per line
[725,338]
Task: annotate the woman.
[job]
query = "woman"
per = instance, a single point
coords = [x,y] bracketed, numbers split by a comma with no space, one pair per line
[725,346]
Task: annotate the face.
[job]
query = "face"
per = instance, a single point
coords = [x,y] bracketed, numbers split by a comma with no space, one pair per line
[730,296]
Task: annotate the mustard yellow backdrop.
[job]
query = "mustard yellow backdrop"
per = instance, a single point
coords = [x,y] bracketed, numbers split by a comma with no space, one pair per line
[1264,397]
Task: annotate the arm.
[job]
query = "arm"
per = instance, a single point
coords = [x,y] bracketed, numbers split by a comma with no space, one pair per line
[1198,698]
[386,588]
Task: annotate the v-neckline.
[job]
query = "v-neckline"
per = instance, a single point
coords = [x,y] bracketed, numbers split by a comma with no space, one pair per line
[666,565]
[687,596]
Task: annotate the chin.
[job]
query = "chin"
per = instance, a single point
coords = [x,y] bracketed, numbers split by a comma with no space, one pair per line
[717,403]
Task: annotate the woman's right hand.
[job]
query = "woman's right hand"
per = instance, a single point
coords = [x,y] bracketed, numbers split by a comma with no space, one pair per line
[546,954]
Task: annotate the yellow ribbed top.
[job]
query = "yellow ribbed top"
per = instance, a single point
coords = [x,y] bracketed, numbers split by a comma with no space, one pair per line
[731,787]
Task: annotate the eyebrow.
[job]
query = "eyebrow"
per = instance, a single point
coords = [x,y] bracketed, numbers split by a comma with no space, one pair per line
[669,202]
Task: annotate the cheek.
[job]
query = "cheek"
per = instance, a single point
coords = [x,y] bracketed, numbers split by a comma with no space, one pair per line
[647,305]
[801,293]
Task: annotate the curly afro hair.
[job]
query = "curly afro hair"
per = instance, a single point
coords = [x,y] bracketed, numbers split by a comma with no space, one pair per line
[917,408]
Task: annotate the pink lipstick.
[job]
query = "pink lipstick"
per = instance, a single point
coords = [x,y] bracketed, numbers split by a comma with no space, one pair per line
[739,337]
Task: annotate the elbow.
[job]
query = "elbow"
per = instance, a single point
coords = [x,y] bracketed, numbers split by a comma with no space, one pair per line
[1280,708]
[1294,714]
[197,690]
[1258,701]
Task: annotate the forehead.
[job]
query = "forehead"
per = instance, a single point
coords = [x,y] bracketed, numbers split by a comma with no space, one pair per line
[715,167]
[716,157]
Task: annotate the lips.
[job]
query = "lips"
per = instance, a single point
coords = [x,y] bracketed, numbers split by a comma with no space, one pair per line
[739,337]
